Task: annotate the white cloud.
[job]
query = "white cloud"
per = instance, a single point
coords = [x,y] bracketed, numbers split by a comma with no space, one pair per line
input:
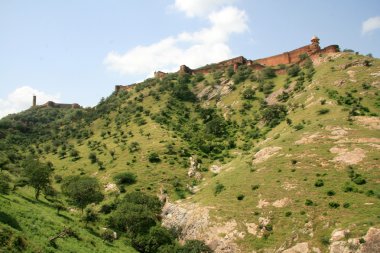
[21,99]
[193,49]
[371,24]
[199,7]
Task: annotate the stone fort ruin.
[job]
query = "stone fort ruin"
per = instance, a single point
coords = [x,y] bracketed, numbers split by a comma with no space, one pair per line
[312,50]
[51,104]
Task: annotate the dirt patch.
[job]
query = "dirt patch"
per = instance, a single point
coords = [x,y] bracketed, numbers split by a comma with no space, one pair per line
[348,157]
[110,187]
[263,203]
[337,132]
[308,139]
[282,202]
[252,228]
[302,247]
[265,154]
[288,186]
[360,140]
[351,74]
[215,168]
[368,122]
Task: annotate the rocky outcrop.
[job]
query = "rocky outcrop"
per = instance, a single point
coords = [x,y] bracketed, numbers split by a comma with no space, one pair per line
[302,247]
[265,154]
[192,222]
[213,91]
[194,168]
[370,243]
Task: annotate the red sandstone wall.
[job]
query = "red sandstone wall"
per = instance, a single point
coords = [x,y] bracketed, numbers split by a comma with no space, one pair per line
[288,57]
[275,60]
[330,49]
[294,55]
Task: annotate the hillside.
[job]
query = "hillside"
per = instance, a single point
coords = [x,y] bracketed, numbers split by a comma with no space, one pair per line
[245,160]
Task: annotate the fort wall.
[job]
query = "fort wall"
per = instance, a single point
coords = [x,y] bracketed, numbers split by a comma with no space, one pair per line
[291,57]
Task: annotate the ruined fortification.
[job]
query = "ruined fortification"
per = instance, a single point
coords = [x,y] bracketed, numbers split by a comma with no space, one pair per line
[51,104]
[312,50]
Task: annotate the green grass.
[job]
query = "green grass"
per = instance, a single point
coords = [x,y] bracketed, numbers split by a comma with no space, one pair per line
[314,161]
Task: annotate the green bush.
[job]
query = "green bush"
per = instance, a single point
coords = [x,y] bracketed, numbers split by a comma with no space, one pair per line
[334,205]
[309,202]
[298,127]
[255,187]
[4,184]
[319,183]
[240,197]
[153,157]
[248,93]
[82,190]
[218,188]
[293,70]
[92,157]
[323,111]
[274,114]
[125,178]
[330,193]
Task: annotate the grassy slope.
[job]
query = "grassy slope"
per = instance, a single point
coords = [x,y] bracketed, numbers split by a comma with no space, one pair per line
[37,221]
[312,159]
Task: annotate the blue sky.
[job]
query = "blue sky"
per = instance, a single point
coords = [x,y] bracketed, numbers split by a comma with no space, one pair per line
[78,50]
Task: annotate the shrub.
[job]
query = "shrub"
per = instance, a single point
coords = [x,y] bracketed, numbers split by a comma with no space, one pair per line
[334,205]
[82,190]
[268,73]
[134,146]
[92,157]
[349,188]
[4,184]
[216,126]
[248,93]
[108,235]
[136,213]
[293,70]
[323,111]
[182,92]
[346,205]
[218,188]
[194,246]
[319,183]
[255,187]
[330,193]
[153,157]
[309,202]
[240,197]
[366,86]
[298,127]
[274,114]
[325,240]
[125,178]
[288,214]
[359,180]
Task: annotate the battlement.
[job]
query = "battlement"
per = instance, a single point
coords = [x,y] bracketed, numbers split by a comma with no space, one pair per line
[292,57]
[51,104]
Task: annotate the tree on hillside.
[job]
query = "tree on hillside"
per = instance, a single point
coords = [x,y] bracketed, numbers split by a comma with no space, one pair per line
[136,214]
[37,174]
[82,190]
[274,114]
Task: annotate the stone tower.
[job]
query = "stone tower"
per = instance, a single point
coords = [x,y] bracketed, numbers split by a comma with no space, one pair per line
[315,43]
[34,100]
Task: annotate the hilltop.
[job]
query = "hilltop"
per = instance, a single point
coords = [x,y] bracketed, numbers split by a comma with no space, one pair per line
[279,156]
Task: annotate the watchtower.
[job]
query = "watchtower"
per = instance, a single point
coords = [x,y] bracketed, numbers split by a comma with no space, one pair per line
[315,43]
[34,101]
